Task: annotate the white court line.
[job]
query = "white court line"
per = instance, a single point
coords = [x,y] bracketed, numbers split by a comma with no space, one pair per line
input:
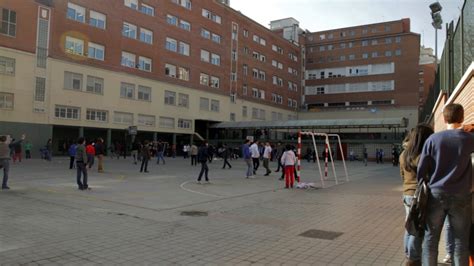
[197,192]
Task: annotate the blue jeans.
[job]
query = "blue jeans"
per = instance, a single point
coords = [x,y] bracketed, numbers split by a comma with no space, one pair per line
[249,167]
[159,156]
[412,243]
[449,238]
[457,208]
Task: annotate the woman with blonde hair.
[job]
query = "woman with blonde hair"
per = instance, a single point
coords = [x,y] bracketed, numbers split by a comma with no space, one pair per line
[413,145]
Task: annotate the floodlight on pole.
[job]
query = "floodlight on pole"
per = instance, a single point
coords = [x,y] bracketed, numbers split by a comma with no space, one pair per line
[437,23]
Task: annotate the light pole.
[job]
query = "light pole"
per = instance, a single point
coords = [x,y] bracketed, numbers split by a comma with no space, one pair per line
[437,23]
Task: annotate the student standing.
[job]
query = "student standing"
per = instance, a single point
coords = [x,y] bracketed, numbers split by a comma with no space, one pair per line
[255,156]
[446,162]
[72,155]
[225,156]
[247,158]
[49,150]
[409,158]
[160,149]
[267,154]
[90,150]
[288,159]
[145,157]
[81,164]
[203,156]
[100,152]
[5,146]
[135,149]
[28,147]
[278,154]
[16,148]
[194,153]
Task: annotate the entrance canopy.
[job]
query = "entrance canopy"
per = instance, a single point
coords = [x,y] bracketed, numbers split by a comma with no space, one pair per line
[313,124]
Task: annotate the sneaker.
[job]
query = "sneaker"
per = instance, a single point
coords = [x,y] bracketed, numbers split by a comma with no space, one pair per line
[447,259]
[252,177]
[198,182]
[6,187]
[208,182]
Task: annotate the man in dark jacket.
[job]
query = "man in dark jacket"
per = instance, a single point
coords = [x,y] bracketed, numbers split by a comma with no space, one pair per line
[81,164]
[145,152]
[203,156]
[225,156]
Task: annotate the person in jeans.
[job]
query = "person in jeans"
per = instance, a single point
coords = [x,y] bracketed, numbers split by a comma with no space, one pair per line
[267,155]
[255,156]
[247,158]
[145,153]
[5,147]
[160,150]
[194,153]
[72,155]
[446,162]
[225,156]
[413,144]
[81,164]
[203,157]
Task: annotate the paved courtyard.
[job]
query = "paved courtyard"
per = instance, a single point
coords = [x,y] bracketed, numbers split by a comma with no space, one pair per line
[131,218]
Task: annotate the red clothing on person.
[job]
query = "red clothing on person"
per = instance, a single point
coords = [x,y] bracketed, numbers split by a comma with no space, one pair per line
[90,149]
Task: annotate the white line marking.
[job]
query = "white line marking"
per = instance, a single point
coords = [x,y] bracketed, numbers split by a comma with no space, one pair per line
[197,192]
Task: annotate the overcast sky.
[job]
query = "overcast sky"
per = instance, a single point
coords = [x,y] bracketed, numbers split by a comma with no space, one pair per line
[318,15]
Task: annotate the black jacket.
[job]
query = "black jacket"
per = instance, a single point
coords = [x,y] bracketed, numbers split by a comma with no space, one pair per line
[203,154]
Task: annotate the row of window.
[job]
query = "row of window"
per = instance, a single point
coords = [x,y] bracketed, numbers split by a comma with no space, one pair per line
[342,58]
[129,60]
[178,72]
[276,98]
[352,71]
[375,86]
[130,31]
[344,34]
[144,8]
[175,21]
[209,15]
[76,46]
[96,115]
[361,104]
[210,35]
[177,47]
[364,43]
[78,13]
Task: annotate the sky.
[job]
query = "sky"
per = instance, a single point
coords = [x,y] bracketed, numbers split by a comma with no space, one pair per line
[319,15]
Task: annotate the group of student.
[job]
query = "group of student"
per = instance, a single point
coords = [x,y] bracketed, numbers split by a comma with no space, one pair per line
[443,161]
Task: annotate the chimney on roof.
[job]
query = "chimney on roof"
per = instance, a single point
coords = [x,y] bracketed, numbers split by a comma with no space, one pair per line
[225,2]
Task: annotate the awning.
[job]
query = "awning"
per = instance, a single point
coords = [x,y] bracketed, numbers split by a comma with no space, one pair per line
[309,124]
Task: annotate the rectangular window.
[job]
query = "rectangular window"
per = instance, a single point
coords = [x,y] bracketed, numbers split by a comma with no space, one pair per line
[7,66]
[133,4]
[67,112]
[96,51]
[74,46]
[216,38]
[375,54]
[184,48]
[215,82]
[365,43]
[170,97]
[97,19]
[183,100]
[144,93]
[375,42]
[6,100]
[186,4]
[129,30]
[146,36]
[75,12]
[96,115]
[215,59]
[183,73]
[146,120]
[95,85]
[398,39]
[40,89]
[185,25]
[204,79]
[244,89]
[127,90]
[144,63]
[72,81]
[351,56]
[166,122]
[184,123]
[388,40]
[246,33]
[232,117]
[244,111]
[146,9]
[388,53]
[398,52]
[172,20]
[123,118]
[209,15]
[204,104]
[170,70]
[365,55]
[171,45]
[128,60]
[205,34]
[8,22]
[215,106]
[205,56]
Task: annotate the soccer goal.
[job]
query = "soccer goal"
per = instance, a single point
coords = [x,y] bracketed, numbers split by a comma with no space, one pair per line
[328,156]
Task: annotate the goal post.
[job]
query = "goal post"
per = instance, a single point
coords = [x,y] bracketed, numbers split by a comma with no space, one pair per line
[328,145]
